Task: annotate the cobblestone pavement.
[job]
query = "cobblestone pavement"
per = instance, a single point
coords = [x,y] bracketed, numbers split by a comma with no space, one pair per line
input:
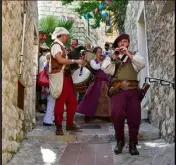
[90,147]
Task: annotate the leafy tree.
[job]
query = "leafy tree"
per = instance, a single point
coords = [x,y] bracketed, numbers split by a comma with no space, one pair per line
[49,23]
[117,7]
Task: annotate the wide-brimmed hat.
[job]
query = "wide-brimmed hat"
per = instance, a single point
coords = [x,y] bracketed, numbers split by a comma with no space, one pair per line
[44,47]
[59,31]
[119,38]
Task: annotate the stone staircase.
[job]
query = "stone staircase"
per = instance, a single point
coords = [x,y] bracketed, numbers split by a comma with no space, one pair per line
[94,132]
[92,146]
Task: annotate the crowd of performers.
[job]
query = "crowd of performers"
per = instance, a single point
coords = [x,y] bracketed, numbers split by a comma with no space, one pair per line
[98,83]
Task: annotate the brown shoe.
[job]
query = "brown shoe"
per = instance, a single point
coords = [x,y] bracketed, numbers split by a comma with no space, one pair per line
[86,119]
[119,147]
[133,149]
[59,130]
[73,127]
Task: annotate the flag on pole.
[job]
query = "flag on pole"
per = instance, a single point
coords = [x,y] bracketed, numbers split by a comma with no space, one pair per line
[101,6]
[95,10]
[86,16]
[104,14]
[108,2]
[91,14]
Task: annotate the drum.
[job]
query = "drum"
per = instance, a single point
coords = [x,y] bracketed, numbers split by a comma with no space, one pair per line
[88,56]
[81,79]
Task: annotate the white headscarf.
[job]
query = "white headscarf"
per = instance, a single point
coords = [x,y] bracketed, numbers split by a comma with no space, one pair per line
[58,31]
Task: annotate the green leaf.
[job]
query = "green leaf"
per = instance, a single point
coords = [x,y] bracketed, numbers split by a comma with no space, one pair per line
[118,8]
[49,23]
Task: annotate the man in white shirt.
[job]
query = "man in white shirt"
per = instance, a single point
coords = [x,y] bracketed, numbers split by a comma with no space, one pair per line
[59,59]
[124,93]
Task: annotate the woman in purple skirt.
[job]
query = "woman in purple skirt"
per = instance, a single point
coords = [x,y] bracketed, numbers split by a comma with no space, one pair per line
[96,102]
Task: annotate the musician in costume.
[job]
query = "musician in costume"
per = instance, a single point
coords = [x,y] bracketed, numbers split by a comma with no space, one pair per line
[75,54]
[124,92]
[96,101]
[67,97]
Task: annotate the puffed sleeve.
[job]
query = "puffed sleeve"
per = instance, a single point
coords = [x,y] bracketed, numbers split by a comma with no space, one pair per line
[138,62]
[94,65]
[56,48]
[108,66]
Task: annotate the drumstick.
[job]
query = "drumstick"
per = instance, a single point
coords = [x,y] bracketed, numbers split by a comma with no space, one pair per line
[82,57]
[81,71]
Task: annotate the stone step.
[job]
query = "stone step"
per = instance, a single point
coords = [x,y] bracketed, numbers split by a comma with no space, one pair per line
[78,118]
[40,152]
[91,133]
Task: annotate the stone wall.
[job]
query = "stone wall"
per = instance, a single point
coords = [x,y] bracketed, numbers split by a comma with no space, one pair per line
[15,121]
[160,45]
[131,28]
[97,36]
[160,39]
[130,23]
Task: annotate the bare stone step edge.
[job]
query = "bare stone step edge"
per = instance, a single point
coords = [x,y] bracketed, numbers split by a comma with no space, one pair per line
[147,132]
[100,138]
[77,138]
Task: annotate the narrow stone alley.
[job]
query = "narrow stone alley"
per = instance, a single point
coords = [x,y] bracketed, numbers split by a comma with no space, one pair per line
[92,146]
[26,36]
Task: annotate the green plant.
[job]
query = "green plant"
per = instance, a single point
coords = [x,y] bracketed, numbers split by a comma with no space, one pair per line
[86,7]
[117,7]
[49,23]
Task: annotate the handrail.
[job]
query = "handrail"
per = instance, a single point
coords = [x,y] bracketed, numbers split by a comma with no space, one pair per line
[162,82]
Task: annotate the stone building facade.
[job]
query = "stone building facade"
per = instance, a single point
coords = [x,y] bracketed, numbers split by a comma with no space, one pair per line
[96,37]
[18,92]
[151,27]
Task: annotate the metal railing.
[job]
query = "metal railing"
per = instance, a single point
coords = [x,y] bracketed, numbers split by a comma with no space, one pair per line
[160,81]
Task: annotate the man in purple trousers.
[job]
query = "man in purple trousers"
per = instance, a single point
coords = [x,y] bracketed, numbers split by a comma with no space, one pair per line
[124,92]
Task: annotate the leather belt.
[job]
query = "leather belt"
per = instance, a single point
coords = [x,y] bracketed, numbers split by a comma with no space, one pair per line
[124,84]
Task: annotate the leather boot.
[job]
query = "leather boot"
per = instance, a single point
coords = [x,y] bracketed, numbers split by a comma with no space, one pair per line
[86,119]
[133,149]
[59,130]
[73,127]
[119,147]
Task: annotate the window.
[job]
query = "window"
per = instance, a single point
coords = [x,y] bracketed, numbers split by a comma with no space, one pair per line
[20,100]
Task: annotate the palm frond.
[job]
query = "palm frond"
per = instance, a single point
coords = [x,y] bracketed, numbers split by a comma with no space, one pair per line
[49,23]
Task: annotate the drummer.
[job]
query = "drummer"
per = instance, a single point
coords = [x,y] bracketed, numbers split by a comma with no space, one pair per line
[96,102]
[75,54]
[67,96]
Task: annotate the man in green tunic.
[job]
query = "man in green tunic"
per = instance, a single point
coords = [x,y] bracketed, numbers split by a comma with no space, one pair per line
[124,92]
